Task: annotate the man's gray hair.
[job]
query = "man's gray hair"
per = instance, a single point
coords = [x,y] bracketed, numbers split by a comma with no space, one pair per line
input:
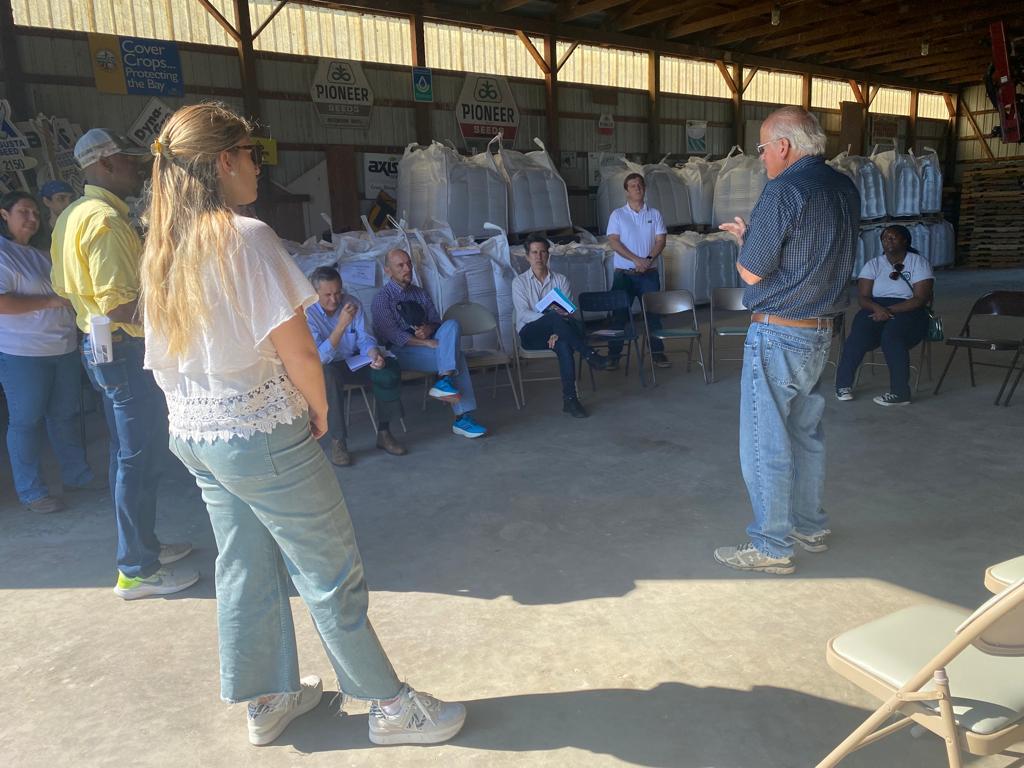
[800,127]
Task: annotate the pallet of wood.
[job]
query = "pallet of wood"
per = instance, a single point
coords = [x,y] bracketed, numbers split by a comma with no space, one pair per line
[991,233]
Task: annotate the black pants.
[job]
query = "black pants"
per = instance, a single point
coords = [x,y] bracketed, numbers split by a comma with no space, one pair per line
[387,392]
[535,335]
[896,337]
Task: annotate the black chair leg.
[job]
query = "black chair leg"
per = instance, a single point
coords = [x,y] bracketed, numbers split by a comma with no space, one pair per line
[970,364]
[1009,373]
[949,362]
[1013,389]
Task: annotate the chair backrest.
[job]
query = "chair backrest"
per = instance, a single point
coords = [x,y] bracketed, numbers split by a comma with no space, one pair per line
[727,299]
[997,627]
[1009,303]
[473,318]
[668,302]
[604,301]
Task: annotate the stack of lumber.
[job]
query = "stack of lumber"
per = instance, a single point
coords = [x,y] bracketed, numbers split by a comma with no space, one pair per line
[992,216]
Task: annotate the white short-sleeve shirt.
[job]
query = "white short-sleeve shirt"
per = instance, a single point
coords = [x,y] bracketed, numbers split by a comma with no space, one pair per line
[231,381]
[25,271]
[915,268]
[637,230]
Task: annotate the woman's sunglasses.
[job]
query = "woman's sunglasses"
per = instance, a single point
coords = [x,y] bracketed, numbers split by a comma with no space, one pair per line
[897,271]
[255,152]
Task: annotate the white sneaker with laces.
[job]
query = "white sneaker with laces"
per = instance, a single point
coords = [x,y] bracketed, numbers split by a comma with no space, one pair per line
[747,557]
[812,542]
[422,719]
[268,720]
[172,553]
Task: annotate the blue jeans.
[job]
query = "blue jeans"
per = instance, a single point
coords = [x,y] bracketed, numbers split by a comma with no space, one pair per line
[136,414]
[278,513]
[636,285]
[782,442]
[447,357]
[896,337]
[43,389]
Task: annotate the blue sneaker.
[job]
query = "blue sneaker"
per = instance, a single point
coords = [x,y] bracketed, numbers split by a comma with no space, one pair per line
[443,389]
[465,426]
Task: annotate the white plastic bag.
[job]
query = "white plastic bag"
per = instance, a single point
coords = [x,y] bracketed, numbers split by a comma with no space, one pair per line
[538,199]
[930,169]
[870,184]
[902,182]
[738,187]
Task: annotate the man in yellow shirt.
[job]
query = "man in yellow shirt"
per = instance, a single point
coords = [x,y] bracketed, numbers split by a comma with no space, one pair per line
[96,255]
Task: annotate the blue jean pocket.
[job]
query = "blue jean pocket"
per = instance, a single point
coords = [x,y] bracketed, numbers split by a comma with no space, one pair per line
[113,377]
[785,362]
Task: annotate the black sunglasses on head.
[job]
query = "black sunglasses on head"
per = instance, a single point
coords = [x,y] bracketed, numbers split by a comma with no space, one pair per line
[897,271]
[255,152]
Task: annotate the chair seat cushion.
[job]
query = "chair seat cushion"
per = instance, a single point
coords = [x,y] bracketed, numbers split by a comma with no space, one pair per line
[988,691]
[731,330]
[1008,572]
[993,345]
[676,333]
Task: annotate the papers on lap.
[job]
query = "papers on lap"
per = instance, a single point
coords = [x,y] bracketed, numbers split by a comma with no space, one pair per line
[356,362]
[555,296]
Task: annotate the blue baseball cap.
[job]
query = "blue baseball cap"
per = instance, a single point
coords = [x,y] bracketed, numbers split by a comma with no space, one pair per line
[55,187]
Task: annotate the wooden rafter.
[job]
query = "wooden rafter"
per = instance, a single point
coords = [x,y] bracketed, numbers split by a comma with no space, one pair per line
[950,105]
[566,56]
[532,50]
[581,9]
[504,6]
[749,76]
[800,17]
[858,94]
[277,9]
[977,131]
[682,29]
[727,76]
[653,16]
[219,18]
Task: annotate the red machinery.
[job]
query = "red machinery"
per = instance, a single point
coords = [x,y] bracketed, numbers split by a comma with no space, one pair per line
[1001,81]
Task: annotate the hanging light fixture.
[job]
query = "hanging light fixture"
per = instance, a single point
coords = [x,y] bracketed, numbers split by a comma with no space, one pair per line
[924,47]
[776,15]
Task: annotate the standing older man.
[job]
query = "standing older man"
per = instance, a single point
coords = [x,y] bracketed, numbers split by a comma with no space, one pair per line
[96,254]
[338,325]
[796,256]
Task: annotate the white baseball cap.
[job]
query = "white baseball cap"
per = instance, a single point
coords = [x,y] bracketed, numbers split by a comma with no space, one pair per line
[97,143]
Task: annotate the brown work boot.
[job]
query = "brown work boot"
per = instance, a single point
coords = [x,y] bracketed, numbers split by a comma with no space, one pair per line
[340,457]
[45,505]
[387,442]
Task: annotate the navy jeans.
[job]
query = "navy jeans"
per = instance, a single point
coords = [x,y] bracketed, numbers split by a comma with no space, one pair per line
[535,335]
[636,285]
[136,414]
[386,384]
[43,389]
[896,337]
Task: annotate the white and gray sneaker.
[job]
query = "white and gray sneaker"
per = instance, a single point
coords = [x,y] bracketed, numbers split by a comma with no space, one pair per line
[746,557]
[268,720]
[415,718]
[891,398]
[844,393]
[812,542]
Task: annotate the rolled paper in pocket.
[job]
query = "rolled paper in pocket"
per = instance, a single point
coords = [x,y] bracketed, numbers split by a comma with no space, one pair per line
[100,340]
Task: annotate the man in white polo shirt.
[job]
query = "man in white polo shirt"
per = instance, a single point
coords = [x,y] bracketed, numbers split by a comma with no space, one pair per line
[637,234]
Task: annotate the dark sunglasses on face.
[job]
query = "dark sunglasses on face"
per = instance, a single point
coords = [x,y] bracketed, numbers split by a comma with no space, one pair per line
[897,271]
[255,152]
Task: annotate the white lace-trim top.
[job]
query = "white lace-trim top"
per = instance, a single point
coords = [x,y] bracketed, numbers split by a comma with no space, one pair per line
[200,418]
[231,382]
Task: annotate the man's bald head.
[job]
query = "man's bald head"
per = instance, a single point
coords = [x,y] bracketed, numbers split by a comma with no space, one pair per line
[398,266]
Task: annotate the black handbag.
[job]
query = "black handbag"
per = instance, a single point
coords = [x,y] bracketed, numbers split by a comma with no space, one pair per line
[935,332]
[412,314]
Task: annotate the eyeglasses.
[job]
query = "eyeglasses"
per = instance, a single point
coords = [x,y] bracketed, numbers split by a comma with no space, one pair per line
[897,271]
[760,147]
[255,152]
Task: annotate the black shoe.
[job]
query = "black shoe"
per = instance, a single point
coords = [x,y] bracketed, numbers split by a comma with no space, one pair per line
[598,362]
[613,364]
[660,361]
[574,408]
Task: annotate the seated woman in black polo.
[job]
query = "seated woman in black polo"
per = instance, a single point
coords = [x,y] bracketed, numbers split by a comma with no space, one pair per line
[894,290]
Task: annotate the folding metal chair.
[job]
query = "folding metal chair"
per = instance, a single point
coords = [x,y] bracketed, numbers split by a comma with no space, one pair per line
[475,319]
[610,302]
[725,300]
[519,354]
[666,304]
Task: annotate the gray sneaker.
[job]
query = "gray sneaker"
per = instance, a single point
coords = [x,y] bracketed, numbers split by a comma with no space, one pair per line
[422,719]
[812,542]
[844,393]
[172,553]
[268,720]
[166,581]
[747,558]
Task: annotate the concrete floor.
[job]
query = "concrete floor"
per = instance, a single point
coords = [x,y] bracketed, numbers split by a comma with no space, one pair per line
[556,576]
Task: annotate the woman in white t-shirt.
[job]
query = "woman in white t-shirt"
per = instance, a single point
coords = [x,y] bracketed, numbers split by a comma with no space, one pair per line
[227,340]
[894,290]
[40,371]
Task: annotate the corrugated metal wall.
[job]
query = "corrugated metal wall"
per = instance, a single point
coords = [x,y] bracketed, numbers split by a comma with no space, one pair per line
[969,146]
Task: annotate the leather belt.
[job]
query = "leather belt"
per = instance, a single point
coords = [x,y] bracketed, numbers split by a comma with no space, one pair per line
[819,323]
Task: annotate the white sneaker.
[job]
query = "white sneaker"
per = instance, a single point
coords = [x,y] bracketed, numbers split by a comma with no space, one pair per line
[812,542]
[172,553]
[422,719]
[166,581]
[268,720]
[746,558]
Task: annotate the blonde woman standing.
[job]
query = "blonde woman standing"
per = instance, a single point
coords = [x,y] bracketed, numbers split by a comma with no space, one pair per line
[227,339]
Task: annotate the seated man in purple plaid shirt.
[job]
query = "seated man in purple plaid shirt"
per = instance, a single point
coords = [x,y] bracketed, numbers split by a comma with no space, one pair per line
[407,321]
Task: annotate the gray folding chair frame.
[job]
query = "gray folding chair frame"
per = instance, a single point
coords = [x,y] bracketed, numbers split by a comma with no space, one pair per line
[519,354]
[924,360]
[610,302]
[474,319]
[730,301]
[667,304]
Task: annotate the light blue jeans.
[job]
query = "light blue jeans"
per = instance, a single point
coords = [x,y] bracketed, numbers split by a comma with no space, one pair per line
[782,441]
[277,512]
[42,390]
[447,357]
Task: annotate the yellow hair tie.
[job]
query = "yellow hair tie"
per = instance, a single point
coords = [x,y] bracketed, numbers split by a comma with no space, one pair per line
[157,148]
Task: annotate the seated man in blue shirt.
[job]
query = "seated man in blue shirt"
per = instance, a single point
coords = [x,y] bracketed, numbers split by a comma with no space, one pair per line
[339,329]
[408,323]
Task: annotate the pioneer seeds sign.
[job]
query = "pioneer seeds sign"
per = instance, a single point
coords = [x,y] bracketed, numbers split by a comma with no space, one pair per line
[486,108]
[341,94]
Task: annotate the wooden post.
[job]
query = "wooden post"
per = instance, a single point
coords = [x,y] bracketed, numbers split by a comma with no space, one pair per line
[977,131]
[912,121]
[419,59]
[247,60]
[953,132]
[737,104]
[551,97]
[653,107]
[341,186]
[805,93]
[17,92]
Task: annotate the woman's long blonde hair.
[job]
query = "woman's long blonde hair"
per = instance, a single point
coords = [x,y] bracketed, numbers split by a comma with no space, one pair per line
[189,222]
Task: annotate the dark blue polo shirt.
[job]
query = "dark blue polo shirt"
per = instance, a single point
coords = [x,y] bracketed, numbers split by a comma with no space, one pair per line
[801,240]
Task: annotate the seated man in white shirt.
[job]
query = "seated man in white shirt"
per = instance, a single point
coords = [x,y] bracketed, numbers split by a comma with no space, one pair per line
[553,328]
[338,324]
[637,234]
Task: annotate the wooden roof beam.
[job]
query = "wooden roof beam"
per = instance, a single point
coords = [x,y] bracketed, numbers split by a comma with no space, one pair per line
[534,53]
[682,29]
[581,9]
[504,6]
[635,19]
[801,16]
[219,18]
[727,76]
[858,94]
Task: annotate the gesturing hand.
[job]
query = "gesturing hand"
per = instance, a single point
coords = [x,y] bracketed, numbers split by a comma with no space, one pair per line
[737,228]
